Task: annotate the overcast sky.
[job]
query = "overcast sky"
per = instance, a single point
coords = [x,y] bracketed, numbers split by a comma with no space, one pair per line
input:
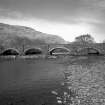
[66,18]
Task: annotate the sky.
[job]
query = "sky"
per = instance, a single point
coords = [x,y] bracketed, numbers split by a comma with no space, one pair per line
[66,18]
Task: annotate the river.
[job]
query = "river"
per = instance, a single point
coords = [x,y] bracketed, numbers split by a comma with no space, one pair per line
[30,82]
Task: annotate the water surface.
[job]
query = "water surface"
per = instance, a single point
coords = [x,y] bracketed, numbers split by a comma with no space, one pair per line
[31,81]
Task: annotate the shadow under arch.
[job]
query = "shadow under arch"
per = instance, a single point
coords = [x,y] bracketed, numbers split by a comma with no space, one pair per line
[59,50]
[89,51]
[33,51]
[10,51]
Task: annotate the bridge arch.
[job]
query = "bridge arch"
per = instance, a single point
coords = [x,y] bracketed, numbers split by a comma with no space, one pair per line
[10,51]
[33,51]
[89,51]
[59,50]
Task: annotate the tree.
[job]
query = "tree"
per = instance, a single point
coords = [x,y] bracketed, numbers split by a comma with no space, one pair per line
[85,39]
[103,41]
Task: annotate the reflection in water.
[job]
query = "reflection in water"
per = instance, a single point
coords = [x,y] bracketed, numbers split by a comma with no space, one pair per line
[28,80]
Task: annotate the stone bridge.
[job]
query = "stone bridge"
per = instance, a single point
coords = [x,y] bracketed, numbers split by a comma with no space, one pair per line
[76,48]
[72,49]
[22,49]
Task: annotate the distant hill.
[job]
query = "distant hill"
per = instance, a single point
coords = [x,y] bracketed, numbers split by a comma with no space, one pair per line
[18,35]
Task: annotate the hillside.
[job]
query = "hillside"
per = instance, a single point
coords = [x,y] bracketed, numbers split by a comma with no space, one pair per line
[17,35]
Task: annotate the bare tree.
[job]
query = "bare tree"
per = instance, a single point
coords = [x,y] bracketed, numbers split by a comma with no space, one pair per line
[103,41]
[85,39]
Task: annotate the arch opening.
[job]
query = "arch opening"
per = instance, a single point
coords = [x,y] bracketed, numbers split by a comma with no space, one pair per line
[59,50]
[33,51]
[89,51]
[10,51]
